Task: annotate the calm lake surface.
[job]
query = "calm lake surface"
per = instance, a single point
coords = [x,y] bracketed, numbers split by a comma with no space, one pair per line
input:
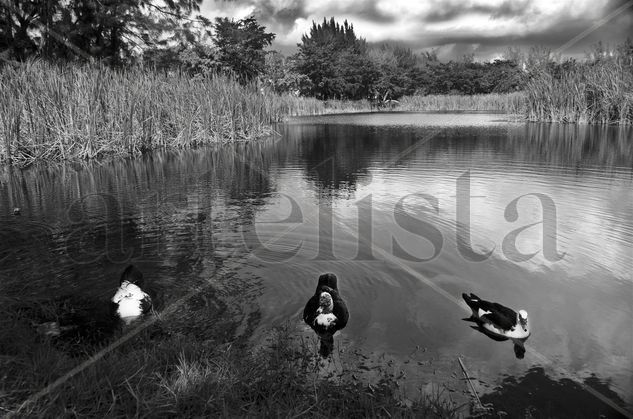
[409,210]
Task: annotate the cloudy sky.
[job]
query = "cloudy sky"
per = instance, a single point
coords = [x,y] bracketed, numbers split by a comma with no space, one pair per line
[453,27]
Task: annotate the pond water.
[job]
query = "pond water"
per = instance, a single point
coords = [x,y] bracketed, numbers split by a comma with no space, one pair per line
[408,209]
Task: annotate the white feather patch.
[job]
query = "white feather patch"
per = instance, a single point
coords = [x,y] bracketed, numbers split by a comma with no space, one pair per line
[325,319]
[129,297]
[483,312]
[129,310]
[514,333]
[129,290]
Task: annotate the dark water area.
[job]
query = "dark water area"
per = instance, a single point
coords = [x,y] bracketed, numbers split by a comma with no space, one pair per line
[409,210]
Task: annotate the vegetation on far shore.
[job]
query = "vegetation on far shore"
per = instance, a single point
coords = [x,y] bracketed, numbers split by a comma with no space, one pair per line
[168,371]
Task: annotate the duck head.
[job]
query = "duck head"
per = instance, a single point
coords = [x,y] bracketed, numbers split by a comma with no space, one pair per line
[132,275]
[328,280]
[523,319]
[326,303]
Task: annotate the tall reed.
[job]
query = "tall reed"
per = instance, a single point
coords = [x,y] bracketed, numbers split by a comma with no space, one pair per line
[53,112]
[512,103]
[300,106]
[597,93]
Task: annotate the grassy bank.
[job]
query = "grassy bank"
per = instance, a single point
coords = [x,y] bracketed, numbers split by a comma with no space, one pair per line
[165,372]
[596,93]
[512,103]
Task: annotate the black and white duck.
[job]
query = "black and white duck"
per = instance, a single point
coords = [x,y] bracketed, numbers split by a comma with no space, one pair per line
[498,319]
[130,302]
[326,312]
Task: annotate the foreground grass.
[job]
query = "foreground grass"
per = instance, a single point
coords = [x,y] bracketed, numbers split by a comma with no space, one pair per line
[165,372]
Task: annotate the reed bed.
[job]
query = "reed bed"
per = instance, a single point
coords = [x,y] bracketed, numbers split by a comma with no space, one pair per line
[51,113]
[511,103]
[303,106]
[596,93]
[346,106]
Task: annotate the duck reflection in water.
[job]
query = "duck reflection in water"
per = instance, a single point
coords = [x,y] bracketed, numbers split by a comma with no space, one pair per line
[518,344]
[326,312]
[499,322]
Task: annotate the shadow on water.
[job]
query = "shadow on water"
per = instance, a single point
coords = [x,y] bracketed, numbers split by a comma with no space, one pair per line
[536,395]
[338,156]
[571,145]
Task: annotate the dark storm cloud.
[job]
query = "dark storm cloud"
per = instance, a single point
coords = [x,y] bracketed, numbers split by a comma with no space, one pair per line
[558,33]
[281,17]
[363,9]
[367,10]
[449,10]
[283,14]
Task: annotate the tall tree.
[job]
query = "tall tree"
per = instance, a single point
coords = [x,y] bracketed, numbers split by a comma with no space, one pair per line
[281,75]
[111,30]
[240,46]
[399,71]
[335,61]
[17,21]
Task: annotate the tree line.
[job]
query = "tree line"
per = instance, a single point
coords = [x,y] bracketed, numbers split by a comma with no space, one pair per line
[332,62]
